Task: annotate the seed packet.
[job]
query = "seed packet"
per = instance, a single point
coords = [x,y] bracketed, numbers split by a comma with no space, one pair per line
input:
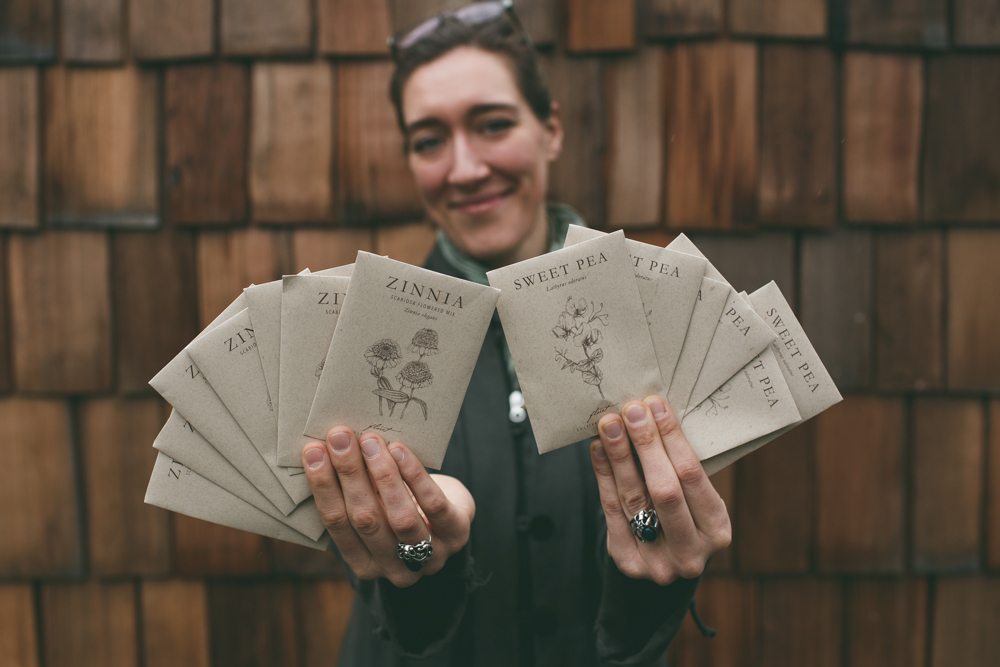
[577,332]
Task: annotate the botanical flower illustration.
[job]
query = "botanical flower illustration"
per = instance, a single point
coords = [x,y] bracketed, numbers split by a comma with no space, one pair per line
[425,342]
[581,324]
[414,374]
[717,402]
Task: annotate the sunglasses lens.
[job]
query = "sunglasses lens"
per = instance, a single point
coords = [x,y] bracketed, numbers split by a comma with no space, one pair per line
[470,15]
[418,33]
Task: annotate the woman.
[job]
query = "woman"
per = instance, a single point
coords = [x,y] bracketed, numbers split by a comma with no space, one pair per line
[546,568]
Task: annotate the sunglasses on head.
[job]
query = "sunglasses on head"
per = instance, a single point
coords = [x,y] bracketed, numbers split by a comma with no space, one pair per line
[470,15]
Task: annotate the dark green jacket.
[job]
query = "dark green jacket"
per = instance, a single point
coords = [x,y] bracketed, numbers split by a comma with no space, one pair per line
[535,586]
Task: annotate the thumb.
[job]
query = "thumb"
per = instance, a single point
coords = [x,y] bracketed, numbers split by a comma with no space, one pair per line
[457,494]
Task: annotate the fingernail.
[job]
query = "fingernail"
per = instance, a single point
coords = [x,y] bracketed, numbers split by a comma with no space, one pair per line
[314,457]
[635,413]
[657,406]
[340,442]
[599,452]
[370,448]
[398,454]
[613,429]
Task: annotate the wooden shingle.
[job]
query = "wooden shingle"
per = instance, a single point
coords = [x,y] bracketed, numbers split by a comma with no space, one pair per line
[965,622]
[668,18]
[230,261]
[724,482]
[318,249]
[409,243]
[577,177]
[712,138]
[205,138]
[596,25]
[127,537]
[800,622]
[372,179]
[993,487]
[324,608]
[859,486]
[297,561]
[60,293]
[353,27]
[100,146]
[837,314]
[962,151]
[635,97]
[19,137]
[262,27]
[729,605]
[174,623]
[92,30]
[947,460]
[164,29]
[748,262]
[292,142]
[882,111]
[155,302]
[38,495]
[886,622]
[18,633]
[206,549]
[908,292]
[973,354]
[775,501]
[897,22]
[778,18]
[976,22]
[27,30]
[254,624]
[5,359]
[89,625]
[798,184]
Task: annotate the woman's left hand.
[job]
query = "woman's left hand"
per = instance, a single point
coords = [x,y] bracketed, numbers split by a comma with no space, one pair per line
[668,477]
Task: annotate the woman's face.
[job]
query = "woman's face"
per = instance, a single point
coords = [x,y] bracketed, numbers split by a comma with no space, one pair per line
[479,155]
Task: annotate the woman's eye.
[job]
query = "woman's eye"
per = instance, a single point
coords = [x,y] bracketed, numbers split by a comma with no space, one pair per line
[496,125]
[425,144]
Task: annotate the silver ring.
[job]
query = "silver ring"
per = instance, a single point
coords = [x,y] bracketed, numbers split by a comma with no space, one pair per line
[415,555]
[644,525]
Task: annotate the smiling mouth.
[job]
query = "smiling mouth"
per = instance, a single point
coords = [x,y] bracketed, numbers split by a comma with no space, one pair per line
[481,204]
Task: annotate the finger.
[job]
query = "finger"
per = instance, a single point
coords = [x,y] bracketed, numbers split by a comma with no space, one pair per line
[443,516]
[705,504]
[621,543]
[631,488]
[397,502]
[363,508]
[661,481]
[329,501]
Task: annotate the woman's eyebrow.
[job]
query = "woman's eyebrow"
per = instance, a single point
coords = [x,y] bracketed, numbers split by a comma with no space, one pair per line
[476,110]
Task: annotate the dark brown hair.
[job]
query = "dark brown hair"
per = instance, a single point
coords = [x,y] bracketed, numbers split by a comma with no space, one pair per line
[499,36]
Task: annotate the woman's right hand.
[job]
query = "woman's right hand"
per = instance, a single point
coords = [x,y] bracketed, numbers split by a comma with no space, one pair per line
[372,496]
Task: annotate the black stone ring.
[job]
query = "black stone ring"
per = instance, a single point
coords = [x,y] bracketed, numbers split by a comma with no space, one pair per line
[644,525]
[415,555]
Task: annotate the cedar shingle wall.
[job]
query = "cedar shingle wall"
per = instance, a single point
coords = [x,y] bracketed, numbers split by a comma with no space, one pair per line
[156,156]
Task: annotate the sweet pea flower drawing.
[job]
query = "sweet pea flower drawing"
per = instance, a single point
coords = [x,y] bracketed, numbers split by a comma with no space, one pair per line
[581,324]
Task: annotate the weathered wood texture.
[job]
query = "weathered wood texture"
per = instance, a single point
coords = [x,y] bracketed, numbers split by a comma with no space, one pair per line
[89,625]
[92,30]
[596,25]
[100,146]
[962,149]
[882,112]
[154,318]
[18,629]
[886,622]
[947,459]
[265,28]
[801,622]
[668,18]
[168,29]
[860,486]
[175,628]
[60,293]
[19,120]
[634,88]
[917,23]
[798,136]
[353,27]
[292,142]
[205,143]
[27,30]
[976,22]
[973,319]
[909,331]
[966,616]
[254,624]
[711,135]
[778,18]
[993,486]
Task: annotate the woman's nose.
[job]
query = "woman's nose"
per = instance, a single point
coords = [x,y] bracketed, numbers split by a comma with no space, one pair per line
[467,165]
